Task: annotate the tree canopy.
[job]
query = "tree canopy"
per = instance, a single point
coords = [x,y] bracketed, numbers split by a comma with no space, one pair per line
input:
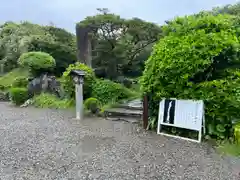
[120,46]
[233,9]
[16,39]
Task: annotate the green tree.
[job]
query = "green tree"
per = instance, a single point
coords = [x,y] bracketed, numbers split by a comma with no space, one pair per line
[16,39]
[118,42]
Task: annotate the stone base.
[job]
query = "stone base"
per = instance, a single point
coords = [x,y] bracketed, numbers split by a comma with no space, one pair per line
[78,119]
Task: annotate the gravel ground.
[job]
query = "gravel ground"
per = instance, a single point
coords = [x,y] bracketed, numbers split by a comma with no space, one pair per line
[38,144]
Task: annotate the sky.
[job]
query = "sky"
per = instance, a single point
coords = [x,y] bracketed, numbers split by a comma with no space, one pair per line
[66,13]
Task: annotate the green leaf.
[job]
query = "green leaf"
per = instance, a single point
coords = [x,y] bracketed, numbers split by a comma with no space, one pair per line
[220,128]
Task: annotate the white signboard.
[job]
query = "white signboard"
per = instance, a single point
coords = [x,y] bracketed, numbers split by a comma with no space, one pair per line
[186,114]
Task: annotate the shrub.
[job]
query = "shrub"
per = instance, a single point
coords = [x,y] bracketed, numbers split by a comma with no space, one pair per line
[107,91]
[92,104]
[37,62]
[7,80]
[68,84]
[45,100]
[18,95]
[197,60]
[20,82]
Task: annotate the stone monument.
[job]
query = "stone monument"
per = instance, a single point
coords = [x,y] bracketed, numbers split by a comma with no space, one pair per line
[84,45]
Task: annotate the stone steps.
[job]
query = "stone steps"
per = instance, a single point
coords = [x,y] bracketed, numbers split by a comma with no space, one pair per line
[129,112]
[123,112]
[125,106]
[126,119]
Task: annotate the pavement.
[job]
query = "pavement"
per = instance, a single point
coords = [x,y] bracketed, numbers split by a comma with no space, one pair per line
[44,144]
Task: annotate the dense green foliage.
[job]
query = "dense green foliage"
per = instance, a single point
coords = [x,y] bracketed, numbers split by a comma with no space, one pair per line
[198,59]
[16,39]
[107,91]
[8,79]
[37,62]
[20,81]
[68,84]
[45,100]
[18,95]
[92,104]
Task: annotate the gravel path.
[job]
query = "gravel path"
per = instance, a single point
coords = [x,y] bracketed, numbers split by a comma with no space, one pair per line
[37,144]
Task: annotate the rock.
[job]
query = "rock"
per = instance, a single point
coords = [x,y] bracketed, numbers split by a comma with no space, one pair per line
[44,83]
[4,96]
[27,103]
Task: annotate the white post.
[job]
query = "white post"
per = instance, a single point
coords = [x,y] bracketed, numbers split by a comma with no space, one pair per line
[79,101]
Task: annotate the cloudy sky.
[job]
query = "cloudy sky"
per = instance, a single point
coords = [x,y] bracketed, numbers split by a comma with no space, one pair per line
[65,13]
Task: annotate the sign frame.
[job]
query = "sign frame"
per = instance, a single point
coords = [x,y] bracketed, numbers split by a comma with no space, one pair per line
[161,118]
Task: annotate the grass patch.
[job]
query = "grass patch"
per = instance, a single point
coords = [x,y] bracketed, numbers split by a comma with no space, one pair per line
[46,100]
[229,148]
[7,79]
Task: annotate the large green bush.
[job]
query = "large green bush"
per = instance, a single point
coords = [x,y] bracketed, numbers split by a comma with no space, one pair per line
[198,59]
[18,95]
[107,91]
[37,62]
[68,84]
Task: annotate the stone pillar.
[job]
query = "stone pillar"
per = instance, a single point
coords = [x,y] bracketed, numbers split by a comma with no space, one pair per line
[79,101]
[84,48]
